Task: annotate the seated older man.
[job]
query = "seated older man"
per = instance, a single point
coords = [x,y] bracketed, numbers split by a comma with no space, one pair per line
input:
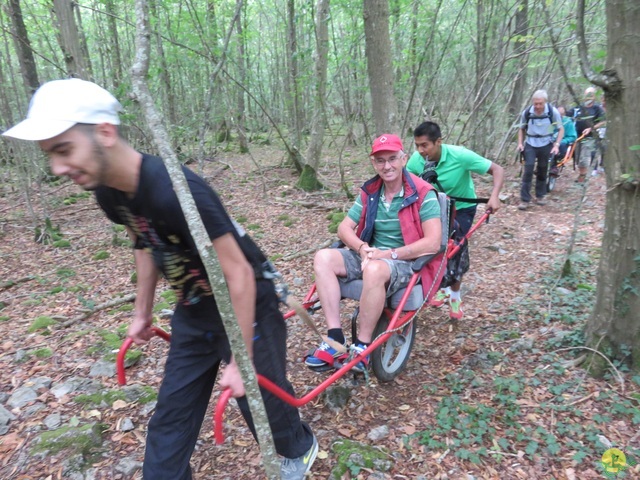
[395,220]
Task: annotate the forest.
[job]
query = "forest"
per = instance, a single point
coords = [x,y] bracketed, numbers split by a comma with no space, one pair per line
[276,104]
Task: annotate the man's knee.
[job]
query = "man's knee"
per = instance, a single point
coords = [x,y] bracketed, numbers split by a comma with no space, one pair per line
[376,272]
[328,260]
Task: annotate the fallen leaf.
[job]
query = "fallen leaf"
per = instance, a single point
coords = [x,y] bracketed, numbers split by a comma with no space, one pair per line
[119,405]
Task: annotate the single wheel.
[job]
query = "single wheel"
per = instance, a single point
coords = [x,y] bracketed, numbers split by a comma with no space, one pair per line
[388,360]
[551,182]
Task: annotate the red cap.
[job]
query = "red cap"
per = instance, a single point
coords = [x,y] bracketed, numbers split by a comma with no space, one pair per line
[386,143]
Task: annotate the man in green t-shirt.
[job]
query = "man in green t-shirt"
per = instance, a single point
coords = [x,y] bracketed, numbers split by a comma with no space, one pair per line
[453,166]
[398,221]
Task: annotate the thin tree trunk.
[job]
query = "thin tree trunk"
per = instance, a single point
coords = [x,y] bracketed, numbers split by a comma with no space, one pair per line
[295,114]
[139,72]
[309,179]
[519,49]
[69,38]
[23,48]
[380,67]
[241,120]
[116,56]
[165,74]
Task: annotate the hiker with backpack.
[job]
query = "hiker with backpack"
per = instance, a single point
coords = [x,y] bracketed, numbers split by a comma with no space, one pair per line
[449,168]
[590,117]
[537,124]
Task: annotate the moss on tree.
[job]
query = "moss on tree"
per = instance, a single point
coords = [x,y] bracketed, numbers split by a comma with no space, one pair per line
[308,180]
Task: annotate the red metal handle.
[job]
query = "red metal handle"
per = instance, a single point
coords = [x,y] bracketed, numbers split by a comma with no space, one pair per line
[219,413]
[122,380]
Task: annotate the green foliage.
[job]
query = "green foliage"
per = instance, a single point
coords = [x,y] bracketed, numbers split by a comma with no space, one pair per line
[354,457]
[47,234]
[65,272]
[4,318]
[254,227]
[74,197]
[334,220]
[83,440]
[62,244]
[286,220]
[110,342]
[41,323]
[119,238]
[308,180]
[101,255]
[42,353]
[170,296]
[100,398]
[241,219]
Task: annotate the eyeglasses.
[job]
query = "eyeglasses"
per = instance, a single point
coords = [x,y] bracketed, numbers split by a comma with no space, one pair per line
[380,162]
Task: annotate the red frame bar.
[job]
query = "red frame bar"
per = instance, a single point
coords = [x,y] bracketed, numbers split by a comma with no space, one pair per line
[398,318]
[122,379]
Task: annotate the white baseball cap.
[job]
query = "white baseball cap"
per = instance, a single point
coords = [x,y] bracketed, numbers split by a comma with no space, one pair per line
[60,104]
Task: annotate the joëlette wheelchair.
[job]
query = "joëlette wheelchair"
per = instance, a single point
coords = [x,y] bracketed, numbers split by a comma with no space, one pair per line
[394,334]
[571,155]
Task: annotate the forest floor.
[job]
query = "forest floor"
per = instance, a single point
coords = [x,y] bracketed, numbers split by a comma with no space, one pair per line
[496,396]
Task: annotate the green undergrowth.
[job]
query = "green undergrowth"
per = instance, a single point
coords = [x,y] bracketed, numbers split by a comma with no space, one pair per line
[109,342]
[526,398]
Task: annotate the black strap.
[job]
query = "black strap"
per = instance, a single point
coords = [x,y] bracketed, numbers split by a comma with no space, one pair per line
[429,174]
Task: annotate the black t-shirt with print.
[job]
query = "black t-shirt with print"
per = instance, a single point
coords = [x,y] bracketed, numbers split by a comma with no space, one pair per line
[587,117]
[155,216]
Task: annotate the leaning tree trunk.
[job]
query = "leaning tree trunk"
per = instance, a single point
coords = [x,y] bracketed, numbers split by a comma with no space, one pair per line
[308,178]
[380,67]
[23,48]
[614,325]
[139,73]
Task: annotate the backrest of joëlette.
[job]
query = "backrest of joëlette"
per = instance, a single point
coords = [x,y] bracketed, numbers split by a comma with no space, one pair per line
[447,204]
[447,217]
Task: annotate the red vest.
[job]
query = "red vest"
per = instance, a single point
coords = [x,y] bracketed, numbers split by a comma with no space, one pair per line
[415,189]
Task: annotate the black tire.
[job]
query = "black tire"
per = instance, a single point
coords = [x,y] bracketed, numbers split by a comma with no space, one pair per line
[390,358]
[551,182]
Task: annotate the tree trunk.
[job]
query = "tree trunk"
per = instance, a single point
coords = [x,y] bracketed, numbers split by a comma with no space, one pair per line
[380,67]
[241,118]
[308,179]
[77,64]
[23,48]
[293,100]
[116,56]
[519,50]
[165,72]
[614,324]
[139,72]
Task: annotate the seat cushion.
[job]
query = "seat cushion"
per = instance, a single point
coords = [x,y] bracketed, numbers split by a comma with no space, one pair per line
[353,290]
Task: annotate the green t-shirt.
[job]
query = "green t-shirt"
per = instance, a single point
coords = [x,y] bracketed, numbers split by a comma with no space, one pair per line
[454,171]
[386,231]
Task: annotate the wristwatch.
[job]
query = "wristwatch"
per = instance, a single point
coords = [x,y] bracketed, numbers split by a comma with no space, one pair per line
[394,254]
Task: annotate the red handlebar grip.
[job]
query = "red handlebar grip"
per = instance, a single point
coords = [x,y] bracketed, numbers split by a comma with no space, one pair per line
[219,413]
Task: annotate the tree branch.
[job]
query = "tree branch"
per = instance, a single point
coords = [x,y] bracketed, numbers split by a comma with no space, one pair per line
[608,80]
[139,72]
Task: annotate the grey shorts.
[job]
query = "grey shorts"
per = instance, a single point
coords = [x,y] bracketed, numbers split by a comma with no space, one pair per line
[401,271]
[587,148]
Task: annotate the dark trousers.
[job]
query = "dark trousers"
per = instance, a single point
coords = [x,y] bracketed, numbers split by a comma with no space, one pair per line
[531,156]
[198,345]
